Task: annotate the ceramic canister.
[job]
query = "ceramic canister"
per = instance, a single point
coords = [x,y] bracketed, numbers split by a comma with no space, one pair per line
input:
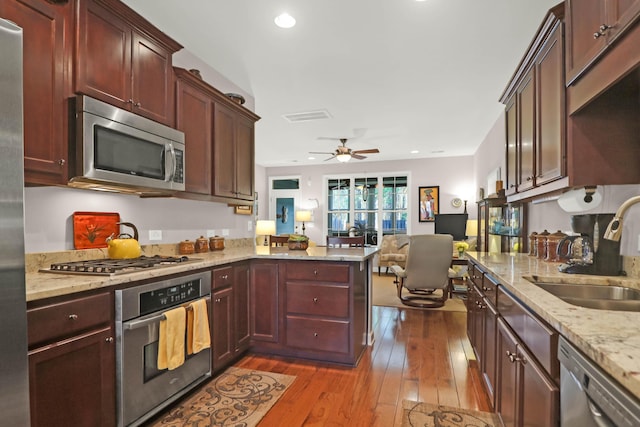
[202,244]
[216,243]
[552,242]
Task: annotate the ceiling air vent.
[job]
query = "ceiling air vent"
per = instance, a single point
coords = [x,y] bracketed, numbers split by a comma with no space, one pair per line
[307,116]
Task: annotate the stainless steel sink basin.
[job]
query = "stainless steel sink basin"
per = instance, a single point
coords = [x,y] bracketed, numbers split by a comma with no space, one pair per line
[618,298]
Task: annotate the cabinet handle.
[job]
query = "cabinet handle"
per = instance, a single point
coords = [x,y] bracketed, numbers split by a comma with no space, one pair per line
[315,272]
[315,334]
[73,317]
[218,300]
[129,101]
[137,105]
[315,300]
[61,162]
[484,288]
[601,31]
[109,340]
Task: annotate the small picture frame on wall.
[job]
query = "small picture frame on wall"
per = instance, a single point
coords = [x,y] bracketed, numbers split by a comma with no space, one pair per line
[243,210]
[429,203]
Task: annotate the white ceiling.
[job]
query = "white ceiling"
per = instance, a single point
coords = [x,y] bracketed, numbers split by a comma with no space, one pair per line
[407,75]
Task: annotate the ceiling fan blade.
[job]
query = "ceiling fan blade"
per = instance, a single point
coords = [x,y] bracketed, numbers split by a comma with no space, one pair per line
[332,157]
[357,156]
[320,152]
[367,151]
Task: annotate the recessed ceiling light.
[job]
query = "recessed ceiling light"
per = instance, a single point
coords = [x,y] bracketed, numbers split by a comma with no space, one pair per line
[311,158]
[285,20]
[414,151]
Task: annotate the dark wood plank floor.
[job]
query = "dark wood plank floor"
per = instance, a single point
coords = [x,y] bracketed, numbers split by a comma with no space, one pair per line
[417,355]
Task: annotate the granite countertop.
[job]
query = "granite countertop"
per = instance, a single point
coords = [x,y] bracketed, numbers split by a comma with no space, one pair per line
[40,285]
[610,338]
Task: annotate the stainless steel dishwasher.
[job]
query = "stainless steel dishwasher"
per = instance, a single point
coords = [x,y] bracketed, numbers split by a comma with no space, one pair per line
[589,397]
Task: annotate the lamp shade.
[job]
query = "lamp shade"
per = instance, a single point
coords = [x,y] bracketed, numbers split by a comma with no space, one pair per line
[265,227]
[472,227]
[303,216]
[343,157]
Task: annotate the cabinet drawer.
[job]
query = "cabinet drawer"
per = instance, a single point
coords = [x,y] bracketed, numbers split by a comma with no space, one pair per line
[317,299]
[222,277]
[318,334]
[489,288]
[318,271]
[540,338]
[475,274]
[68,318]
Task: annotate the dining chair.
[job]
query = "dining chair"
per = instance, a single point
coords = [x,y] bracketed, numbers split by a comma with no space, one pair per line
[278,240]
[339,241]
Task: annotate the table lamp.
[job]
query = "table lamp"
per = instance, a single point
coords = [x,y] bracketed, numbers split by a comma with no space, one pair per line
[472,228]
[265,227]
[302,216]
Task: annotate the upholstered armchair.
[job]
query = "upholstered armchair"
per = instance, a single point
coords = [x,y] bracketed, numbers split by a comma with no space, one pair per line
[393,251]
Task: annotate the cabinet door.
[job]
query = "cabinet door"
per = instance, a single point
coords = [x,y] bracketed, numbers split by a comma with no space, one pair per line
[550,135]
[73,382]
[508,386]
[471,327]
[489,356]
[46,69]
[152,92]
[526,102]
[193,117]
[583,18]
[512,147]
[478,323]
[540,399]
[241,292]
[264,301]
[103,62]
[222,325]
[224,159]
[244,158]
[620,13]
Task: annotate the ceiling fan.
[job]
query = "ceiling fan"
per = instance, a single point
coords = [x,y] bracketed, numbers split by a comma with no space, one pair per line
[344,153]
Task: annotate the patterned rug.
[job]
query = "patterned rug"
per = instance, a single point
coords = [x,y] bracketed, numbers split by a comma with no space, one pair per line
[237,397]
[428,415]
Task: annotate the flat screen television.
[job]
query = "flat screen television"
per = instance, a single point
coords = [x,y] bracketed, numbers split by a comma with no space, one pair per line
[454,224]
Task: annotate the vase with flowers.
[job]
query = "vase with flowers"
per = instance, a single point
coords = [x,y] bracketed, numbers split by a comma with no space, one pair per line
[461,247]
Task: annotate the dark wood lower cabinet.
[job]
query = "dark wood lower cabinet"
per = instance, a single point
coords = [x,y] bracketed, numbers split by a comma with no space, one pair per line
[527,396]
[222,324]
[265,305]
[72,382]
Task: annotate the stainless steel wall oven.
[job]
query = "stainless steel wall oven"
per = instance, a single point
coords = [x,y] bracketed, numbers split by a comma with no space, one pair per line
[142,389]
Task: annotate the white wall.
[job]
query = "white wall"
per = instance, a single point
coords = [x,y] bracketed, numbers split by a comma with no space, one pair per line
[49,217]
[454,175]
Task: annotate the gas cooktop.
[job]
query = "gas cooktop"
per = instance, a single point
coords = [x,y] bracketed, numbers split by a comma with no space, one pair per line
[107,267]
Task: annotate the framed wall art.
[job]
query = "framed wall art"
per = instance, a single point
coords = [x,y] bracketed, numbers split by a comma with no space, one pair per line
[429,203]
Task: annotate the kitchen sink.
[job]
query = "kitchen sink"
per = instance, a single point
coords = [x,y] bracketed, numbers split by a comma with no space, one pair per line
[617,298]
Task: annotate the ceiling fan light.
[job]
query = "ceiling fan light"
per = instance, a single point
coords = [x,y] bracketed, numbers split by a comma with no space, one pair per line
[343,157]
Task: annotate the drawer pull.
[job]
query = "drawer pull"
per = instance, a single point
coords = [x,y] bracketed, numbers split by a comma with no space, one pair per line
[218,300]
[315,272]
[109,340]
[73,317]
[315,300]
[315,334]
[486,289]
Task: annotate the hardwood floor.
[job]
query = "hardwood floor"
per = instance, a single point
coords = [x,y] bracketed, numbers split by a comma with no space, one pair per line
[417,355]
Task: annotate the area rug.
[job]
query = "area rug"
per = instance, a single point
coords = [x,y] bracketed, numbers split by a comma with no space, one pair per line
[385,294]
[237,397]
[422,414]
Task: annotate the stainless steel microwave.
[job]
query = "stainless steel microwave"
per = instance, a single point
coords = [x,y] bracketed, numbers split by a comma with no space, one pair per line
[120,151]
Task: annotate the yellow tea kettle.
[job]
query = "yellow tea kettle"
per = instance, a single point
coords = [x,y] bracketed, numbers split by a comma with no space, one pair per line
[124,246]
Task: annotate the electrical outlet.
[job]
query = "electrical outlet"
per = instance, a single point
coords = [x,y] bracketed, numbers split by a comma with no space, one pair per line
[155,234]
[225,232]
[211,233]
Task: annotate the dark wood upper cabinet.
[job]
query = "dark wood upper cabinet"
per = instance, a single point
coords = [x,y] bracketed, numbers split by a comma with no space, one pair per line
[123,60]
[592,26]
[219,140]
[47,41]
[535,112]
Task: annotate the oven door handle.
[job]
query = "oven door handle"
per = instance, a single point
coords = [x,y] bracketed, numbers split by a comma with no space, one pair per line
[135,324]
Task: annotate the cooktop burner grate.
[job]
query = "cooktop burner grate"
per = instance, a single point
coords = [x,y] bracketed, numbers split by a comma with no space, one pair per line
[113,266]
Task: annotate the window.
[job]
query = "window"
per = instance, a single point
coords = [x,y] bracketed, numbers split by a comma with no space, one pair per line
[368,206]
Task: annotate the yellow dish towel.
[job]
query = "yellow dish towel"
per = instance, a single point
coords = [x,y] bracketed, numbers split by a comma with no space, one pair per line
[171,340]
[198,337]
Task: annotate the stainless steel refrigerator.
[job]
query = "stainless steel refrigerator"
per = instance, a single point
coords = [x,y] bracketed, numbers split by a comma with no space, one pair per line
[14,368]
